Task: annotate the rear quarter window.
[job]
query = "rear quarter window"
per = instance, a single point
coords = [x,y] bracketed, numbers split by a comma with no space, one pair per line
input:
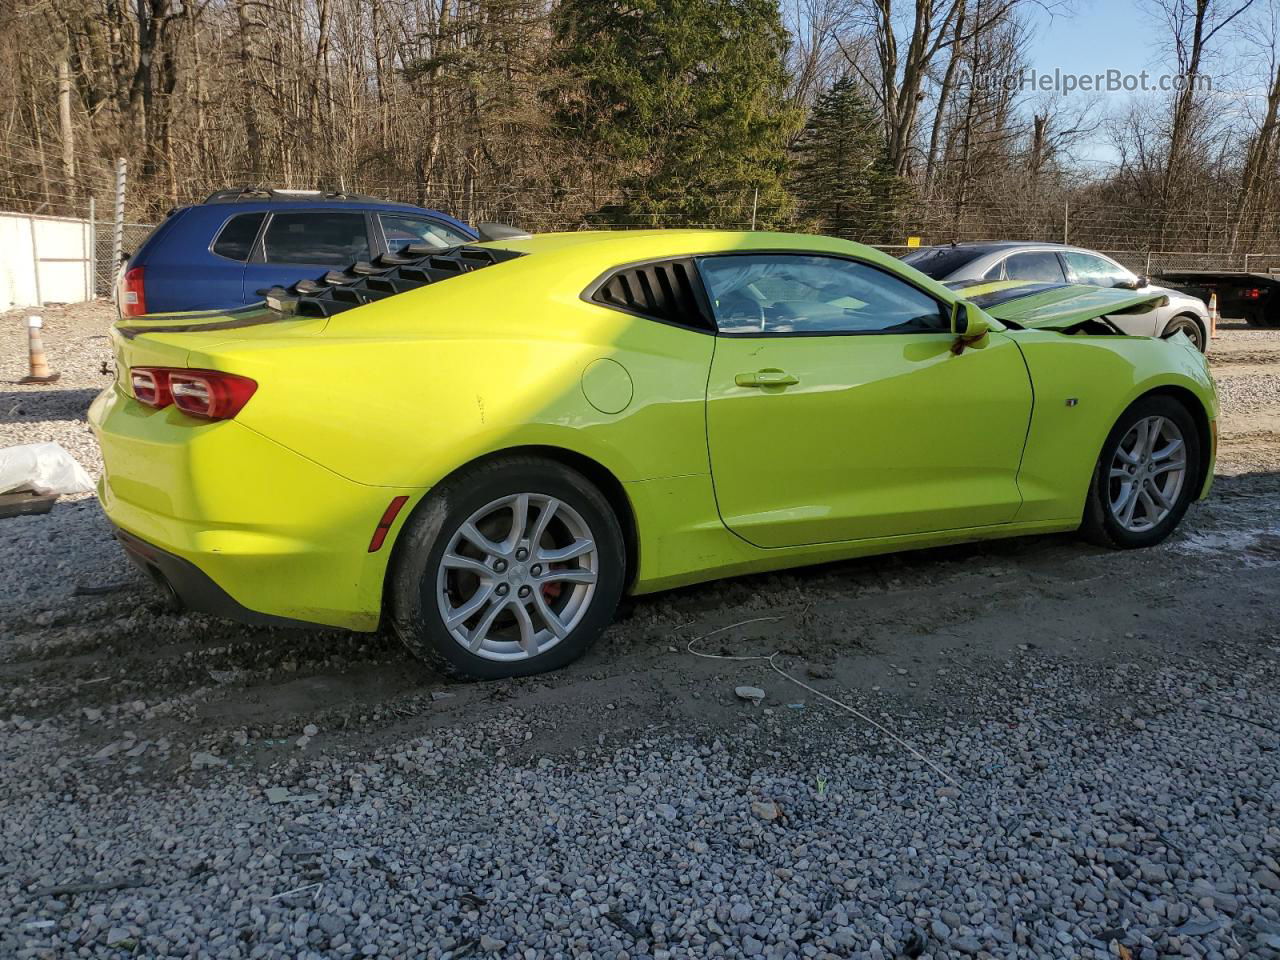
[235,239]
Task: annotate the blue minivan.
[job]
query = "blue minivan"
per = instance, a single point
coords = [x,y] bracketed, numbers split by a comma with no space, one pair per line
[226,251]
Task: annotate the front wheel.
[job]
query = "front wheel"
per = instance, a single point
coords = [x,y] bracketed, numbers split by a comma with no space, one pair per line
[511,568]
[1188,326]
[1145,478]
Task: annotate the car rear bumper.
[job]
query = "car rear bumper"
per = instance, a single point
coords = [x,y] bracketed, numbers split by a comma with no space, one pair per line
[189,588]
[237,525]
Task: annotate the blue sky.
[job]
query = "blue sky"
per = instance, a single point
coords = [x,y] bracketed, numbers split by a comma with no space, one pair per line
[1121,34]
[1098,36]
[1102,34]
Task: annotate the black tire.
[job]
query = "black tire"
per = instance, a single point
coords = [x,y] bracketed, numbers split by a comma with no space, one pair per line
[1184,323]
[1099,526]
[413,608]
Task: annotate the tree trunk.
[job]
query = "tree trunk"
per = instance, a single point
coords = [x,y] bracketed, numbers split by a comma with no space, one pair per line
[64,124]
[944,97]
[249,113]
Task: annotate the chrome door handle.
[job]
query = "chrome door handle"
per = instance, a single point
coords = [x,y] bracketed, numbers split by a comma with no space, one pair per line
[770,377]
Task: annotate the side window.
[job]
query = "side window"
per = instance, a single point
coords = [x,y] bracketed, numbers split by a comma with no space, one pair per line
[322,237]
[995,273]
[236,237]
[1042,265]
[662,291]
[400,231]
[802,293]
[1086,268]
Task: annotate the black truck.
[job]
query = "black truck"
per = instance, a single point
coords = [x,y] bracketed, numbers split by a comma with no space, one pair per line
[1253,296]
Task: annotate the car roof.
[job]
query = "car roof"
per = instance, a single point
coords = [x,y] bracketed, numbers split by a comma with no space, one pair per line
[253,200]
[981,248]
[281,195]
[680,242]
[601,250]
[994,246]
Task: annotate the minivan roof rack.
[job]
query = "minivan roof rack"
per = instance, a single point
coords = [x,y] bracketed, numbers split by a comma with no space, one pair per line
[239,194]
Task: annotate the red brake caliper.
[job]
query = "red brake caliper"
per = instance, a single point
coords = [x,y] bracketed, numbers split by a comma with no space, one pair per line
[551,591]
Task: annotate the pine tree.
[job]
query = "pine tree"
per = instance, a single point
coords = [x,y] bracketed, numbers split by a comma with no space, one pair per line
[687,98]
[841,176]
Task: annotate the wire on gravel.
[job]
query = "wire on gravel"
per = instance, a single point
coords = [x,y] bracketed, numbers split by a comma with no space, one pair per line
[771,660]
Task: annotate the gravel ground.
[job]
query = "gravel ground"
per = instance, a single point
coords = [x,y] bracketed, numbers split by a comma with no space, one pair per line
[1099,733]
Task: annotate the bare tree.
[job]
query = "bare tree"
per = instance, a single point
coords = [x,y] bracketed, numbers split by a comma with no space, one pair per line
[1192,26]
[1257,177]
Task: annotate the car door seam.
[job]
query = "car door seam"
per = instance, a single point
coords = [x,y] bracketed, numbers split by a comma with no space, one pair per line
[1026,440]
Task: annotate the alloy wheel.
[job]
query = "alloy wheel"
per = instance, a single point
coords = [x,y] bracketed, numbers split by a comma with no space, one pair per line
[1147,473]
[517,576]
[1192,331]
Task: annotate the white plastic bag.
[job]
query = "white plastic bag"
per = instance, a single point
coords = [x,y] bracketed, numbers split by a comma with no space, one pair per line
[42,467]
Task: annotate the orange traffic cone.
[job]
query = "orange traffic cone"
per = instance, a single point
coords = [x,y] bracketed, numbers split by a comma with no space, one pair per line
[40,372]
[1213,315]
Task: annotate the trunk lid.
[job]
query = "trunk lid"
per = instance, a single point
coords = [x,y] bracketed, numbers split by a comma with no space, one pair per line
[168,339]
[1051,306]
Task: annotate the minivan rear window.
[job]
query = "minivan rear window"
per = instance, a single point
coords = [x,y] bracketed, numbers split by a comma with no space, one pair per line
[235,240]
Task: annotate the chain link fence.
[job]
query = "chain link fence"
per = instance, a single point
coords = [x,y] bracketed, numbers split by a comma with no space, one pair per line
[1149,262]
[104,265]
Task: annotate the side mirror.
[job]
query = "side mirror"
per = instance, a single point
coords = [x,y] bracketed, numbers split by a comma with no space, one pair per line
[1143,281]
[1136,284]
[967,321]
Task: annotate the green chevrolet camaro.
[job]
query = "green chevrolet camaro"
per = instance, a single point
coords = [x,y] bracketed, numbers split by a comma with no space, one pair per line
[485,447]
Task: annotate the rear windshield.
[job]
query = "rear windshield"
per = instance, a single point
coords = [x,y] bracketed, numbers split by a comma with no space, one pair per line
[939,262]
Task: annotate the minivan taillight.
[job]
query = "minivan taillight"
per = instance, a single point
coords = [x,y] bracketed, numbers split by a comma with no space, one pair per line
[133,297]
[208,394]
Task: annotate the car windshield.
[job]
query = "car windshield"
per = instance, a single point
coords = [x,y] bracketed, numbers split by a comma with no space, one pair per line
[940,262]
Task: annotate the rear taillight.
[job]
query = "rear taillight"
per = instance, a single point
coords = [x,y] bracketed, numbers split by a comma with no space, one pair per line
[208,394]
[1253,293]
[150,387]
[133,297]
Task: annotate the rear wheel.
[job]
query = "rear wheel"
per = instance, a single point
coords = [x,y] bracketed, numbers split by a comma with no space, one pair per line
[1145,478]
[1188,326]
[512,568]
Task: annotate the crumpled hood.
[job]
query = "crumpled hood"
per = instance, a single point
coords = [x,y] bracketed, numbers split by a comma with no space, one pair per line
[1051,306]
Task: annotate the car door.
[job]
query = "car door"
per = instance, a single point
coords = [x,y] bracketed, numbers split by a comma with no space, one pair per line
[838,410]
[1100,272]
[301,244]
